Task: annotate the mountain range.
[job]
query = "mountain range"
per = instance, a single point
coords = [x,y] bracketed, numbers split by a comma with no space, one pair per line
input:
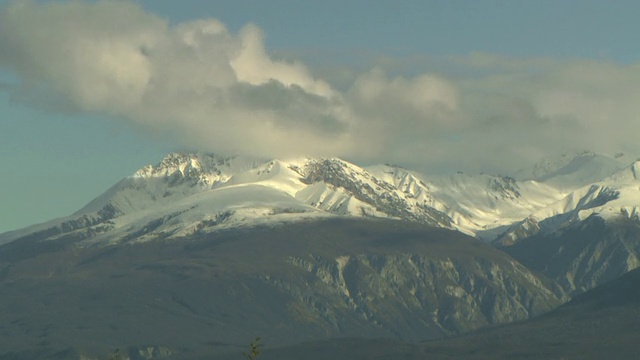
[194,192]
[196,254]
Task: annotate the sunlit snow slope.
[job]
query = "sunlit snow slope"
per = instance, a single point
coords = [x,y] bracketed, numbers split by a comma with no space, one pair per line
[189,193]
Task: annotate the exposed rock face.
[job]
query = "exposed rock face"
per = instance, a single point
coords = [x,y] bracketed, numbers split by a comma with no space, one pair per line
[599,324]
[505,186]
[589,237]
[583,255]
[214,292]
[397,202]
[445,295]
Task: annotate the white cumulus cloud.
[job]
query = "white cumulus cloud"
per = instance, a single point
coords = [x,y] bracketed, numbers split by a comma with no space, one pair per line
[210,88]
[214,90]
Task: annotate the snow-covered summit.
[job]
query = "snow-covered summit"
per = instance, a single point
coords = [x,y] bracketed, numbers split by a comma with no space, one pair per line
[570,171]
[205,168]
[485,203]
[614,197]
[187,193]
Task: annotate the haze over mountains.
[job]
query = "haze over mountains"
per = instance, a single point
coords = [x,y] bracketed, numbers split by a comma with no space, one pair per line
[200,252]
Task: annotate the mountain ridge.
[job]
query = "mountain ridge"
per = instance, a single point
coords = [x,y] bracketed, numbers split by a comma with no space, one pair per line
[486,206]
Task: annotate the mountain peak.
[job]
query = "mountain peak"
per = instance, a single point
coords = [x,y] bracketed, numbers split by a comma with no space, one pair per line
[188,192]
[185,164]
[570,171]
[197,190]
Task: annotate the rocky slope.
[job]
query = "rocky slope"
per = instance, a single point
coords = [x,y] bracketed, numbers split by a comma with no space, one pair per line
[614,197]
[583,255]
[213,292]
[589,237]
[599,324]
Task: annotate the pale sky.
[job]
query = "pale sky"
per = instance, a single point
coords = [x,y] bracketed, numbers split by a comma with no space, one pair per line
[90,91]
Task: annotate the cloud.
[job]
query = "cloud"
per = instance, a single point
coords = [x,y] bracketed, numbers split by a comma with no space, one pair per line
[206,86]
[396,117]
[559,105]
[253,66]
[492,113]
[94,60]
[214,90]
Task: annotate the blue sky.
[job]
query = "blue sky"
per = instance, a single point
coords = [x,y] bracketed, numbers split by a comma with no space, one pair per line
[573,29]
[473,85]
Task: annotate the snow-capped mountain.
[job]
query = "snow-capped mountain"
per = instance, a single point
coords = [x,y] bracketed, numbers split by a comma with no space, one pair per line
[618,195]
[203,224]
[478,205]
[493,207]
[188,193]
[572,170]
[191,241]
[589,237]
